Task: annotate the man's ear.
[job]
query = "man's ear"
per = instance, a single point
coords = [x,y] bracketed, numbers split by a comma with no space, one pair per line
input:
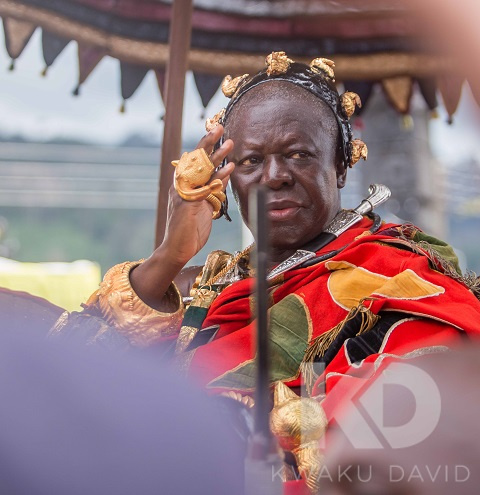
[342,178]
[341,171]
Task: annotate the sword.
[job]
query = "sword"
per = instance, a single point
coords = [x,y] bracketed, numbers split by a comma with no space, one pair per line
[378,194]
[263,461]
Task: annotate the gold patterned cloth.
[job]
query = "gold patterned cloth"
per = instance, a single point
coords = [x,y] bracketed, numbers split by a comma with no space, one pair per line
[121,307]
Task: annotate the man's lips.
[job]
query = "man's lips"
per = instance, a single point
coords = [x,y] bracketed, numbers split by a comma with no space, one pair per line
[282,210]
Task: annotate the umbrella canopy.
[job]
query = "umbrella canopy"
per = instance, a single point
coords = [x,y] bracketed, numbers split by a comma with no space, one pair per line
[371,41]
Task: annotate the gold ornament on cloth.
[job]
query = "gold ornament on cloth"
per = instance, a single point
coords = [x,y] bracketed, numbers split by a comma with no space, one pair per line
[277,63]
[359,150]
[230,86]
[324,64]
[210,124]
[350,101]
[299,424]
[122,308]
[192,172]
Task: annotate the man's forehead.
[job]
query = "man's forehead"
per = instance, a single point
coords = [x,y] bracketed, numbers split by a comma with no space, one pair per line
[278,90]
[280,102]
[249,139]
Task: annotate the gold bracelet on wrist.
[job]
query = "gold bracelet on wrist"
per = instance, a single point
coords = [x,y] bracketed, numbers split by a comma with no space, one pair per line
[121,307]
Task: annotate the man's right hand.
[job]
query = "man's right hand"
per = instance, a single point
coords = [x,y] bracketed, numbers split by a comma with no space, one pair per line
[189,224]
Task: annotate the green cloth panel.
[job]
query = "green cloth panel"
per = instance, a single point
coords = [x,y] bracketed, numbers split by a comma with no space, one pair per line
[444,250]
[194,316]
[289,337]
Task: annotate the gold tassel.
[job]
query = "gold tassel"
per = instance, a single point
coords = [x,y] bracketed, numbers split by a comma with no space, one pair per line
[44,71]
[122,107]
[320,344]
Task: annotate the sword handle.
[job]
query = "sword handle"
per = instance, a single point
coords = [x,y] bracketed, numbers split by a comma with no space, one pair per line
[378,195]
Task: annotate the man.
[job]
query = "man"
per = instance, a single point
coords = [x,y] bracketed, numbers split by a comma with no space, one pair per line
[372,291]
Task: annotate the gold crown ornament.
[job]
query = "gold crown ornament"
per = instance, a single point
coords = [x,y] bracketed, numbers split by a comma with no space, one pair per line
[350,101]
[210,124]
[359,150]
[325,65]
[277,63]
[230,86]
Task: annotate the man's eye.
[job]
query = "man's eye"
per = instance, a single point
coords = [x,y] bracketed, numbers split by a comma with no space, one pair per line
[300,155]
[251,160]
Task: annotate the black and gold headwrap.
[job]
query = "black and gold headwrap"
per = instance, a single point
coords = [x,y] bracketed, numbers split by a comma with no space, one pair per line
[318,78]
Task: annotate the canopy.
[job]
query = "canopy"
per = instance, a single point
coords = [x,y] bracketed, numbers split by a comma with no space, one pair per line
[371,41]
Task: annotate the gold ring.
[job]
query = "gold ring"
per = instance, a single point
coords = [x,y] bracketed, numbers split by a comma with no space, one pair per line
[216,203]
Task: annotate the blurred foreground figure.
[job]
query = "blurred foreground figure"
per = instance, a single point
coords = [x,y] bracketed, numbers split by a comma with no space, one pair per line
[426,439]
[77,422]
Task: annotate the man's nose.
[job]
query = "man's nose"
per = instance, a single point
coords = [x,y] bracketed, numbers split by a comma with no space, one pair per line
[276,172]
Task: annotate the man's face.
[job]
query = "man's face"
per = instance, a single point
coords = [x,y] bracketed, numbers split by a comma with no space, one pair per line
[286,140]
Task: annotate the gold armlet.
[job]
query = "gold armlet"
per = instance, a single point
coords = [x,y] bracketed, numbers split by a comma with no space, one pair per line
[121,307]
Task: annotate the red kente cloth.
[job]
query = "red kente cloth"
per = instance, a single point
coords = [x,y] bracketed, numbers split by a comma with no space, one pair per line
[378,271]
[315,299]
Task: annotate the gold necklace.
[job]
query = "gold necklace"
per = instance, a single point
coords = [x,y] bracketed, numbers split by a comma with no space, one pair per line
[229,266]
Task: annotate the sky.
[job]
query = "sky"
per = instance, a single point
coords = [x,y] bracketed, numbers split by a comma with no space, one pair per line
[43,108]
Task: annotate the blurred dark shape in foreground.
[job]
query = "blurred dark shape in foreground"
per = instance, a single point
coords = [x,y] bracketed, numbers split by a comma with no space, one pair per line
[86,421]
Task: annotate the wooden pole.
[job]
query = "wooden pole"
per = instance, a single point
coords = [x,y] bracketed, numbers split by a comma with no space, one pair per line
[179,40]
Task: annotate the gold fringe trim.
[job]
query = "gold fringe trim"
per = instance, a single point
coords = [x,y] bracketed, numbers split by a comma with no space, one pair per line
[319,345]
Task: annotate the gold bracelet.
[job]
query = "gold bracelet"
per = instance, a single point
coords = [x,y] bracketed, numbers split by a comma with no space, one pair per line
[121,307]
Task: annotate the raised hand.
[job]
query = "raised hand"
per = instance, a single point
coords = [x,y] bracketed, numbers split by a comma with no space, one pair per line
[189,224]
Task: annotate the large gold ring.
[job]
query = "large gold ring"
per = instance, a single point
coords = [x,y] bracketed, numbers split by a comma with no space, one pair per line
[192,173]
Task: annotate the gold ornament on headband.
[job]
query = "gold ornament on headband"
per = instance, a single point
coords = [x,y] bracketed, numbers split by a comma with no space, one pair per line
[277,63]
[359,150]
[210,124]
[192,172]
[350,101]
[325,65]
[230,86]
